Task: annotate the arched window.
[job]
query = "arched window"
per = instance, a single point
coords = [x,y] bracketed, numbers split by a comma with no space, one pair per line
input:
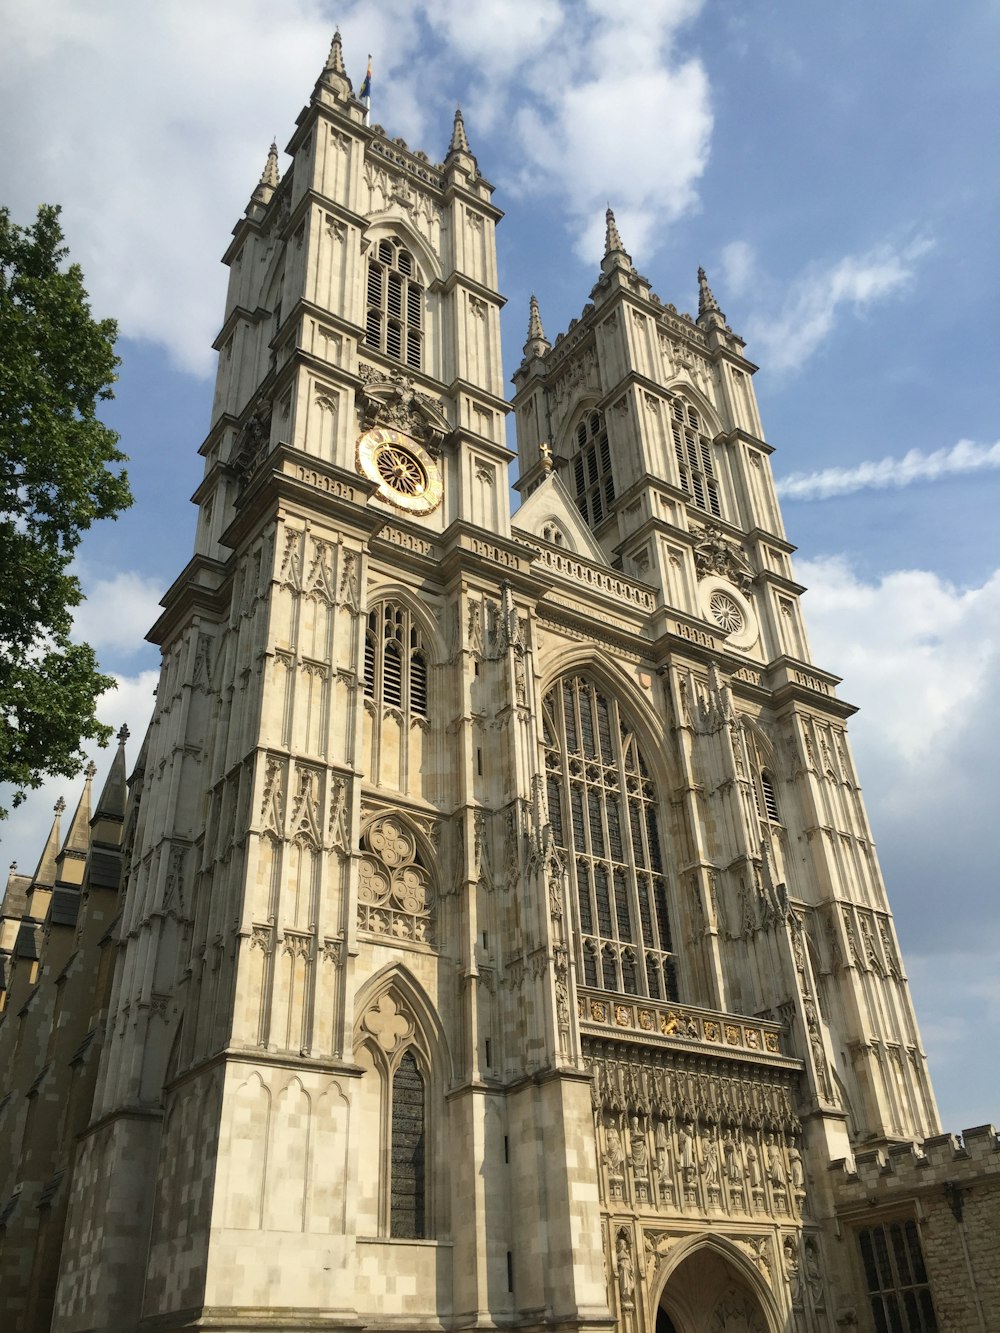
[603,813]
[595,487]
[769,798]
[395,659]
[407,1153]
[694,458]
[394,316]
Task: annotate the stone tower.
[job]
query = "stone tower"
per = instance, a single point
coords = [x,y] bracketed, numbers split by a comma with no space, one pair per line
[503,939]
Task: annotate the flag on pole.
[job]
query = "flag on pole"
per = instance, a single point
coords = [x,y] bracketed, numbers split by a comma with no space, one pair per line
[366,87]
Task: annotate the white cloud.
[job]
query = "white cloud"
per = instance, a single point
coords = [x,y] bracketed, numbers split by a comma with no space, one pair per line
[739,266]
[23,833]
[117,613]
[160,124]
[959,992]
[964,457]
[816,299]
[921,658]
[623,100]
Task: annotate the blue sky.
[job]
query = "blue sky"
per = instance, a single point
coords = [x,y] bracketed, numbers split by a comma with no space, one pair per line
[834,169]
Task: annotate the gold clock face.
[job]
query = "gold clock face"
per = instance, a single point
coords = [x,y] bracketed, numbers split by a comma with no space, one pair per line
[403,470]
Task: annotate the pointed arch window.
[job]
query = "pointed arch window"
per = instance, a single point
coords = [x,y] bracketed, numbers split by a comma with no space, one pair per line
[603,812]
[695,461]
[394,317]
[395,660]
[592,475]
[408,1152]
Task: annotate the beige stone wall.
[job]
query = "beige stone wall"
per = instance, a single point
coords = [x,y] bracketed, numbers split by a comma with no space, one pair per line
[950,1188]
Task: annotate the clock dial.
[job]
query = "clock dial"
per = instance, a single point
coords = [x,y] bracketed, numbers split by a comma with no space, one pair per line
[403,470]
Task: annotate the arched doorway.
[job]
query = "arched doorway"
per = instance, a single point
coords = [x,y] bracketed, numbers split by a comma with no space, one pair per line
[710,1291]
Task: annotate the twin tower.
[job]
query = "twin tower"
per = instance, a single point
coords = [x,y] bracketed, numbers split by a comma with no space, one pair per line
[501,940]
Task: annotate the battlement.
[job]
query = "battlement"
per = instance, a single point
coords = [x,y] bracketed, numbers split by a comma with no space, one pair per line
[886,1176]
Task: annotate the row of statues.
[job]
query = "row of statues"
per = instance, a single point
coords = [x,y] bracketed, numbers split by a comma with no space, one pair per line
[718,1156]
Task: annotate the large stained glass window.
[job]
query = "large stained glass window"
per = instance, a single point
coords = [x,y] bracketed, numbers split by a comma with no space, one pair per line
[407,1188]
[603,811]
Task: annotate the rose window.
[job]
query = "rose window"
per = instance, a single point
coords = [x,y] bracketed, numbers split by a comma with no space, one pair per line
[400,470]
[394,888]
[726,612]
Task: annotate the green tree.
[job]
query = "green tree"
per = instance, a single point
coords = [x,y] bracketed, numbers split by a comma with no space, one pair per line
[57,476]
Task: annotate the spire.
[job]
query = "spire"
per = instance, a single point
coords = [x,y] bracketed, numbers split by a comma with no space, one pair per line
[537,342]
[111,803]
[459,139]
[708,307]
[535,329]
[615,254]
[78,837]
[45,874]
[270,175]
[268,183]
[335,60]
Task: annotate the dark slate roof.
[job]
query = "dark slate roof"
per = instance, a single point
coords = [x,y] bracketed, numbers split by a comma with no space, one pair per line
[105,869]
[84,1047]
[49,1192]
[65,905]
[26,945]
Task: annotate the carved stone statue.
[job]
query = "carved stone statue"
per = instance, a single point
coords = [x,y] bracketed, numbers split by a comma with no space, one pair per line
[731,1153]
[614,1154]
[710,1168]
[639,1150]
[626,1269]
[662,1149]
[775,1166]
[753,1167]
[685,1134]
[796,1169]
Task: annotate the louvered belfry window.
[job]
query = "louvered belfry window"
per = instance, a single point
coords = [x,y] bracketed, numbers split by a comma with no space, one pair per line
[394,316]
[603,812]
[595,486]
[395,660]
[694,458]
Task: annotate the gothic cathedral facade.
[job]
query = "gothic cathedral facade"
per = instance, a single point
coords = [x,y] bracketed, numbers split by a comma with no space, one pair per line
[503,940]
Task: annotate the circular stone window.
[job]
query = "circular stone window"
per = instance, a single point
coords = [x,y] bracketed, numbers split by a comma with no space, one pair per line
[726,607]
[726,613]
[406,475]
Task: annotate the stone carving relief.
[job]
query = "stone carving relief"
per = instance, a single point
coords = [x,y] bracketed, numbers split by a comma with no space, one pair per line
[678,1136]
[337,831]
[272,805]
[737,1313]
[254,441]
[306,819]
[350,584]
[717,554]
[319,580]
[393,400]
[394,897]
[290,574]
[626,1268]
[389,1023]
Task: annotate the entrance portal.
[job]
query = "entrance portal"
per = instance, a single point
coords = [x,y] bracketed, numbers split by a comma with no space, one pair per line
[709,1293]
